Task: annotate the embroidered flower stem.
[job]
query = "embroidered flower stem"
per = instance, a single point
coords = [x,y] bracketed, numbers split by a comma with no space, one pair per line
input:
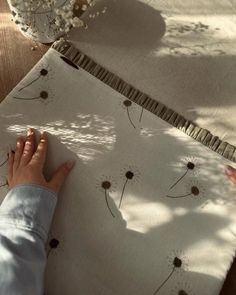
[159,288]
[29,83]
[24,98]
[173,185]
[106,198]
[49,252]
[107,186]
[141,115]
[127,104]
[130,118]
[42,95]
[42,73]
[4,184]
[175,197]
[195,191]
[3,163]
[123,190]
[190,166]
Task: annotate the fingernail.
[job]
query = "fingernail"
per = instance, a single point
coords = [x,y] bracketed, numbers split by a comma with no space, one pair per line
[70,164]
[229,170]
[29,131]
[43,133]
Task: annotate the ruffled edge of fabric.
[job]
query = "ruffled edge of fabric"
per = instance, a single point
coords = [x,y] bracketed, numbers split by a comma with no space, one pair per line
[203,136]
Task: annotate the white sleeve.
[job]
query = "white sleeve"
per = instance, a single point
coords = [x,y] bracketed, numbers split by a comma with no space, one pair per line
[25,217]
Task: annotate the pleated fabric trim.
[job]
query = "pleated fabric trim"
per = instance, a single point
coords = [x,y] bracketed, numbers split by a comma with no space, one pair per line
[203,136]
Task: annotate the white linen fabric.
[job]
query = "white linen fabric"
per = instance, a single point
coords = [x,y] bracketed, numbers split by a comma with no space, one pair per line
[181,53]
[146,210]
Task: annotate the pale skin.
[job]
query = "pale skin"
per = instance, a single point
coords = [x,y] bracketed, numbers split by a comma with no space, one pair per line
[25,166]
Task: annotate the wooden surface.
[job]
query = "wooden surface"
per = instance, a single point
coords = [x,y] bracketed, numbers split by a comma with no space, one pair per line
[17,58]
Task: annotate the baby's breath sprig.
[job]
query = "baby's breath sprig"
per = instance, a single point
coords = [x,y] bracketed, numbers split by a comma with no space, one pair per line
[58,16]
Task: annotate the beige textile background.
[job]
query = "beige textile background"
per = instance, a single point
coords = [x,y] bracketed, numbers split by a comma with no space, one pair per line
[181,53]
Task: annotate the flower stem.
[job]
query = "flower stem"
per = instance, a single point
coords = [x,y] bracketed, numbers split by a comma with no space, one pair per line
[123,190]
[130,118]
[108,203]
[49,252]
[25,98]
[141,115]
[179,180]
[3,184]
[159,288]
[176,197]
[30,83]
[3,163]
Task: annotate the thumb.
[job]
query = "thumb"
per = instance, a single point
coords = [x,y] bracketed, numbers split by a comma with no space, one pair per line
[231,173]
[60,175]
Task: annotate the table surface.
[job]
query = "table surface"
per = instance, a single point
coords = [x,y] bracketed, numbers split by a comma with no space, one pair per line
[17,56]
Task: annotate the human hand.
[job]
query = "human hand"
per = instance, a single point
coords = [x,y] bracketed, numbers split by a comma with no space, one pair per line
[25,166]
[230,172]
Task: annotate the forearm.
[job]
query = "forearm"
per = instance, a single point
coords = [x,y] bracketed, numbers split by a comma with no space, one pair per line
[25,218]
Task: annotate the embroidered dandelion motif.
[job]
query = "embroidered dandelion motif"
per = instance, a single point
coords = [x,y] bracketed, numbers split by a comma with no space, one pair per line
[3,162]
[107,185]
[182,288]
[190,165]
[3,181]
[54,245]
[44,73]
[177,262]
[4,184]
[44,96]
[126,104]
[131,175]
[193,189]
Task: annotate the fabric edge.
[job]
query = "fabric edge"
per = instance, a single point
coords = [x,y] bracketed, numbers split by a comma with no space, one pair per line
[201,135]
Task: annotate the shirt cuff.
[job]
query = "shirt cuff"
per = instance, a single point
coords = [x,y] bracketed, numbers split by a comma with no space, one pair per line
[30,207]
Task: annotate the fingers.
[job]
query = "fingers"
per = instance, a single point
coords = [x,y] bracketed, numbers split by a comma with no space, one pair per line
[28,148]
[18,153]
[60,175]
[39,156]
[230,172]
[10,166]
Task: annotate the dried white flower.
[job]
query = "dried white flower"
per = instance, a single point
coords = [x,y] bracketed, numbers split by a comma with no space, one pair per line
[58,15]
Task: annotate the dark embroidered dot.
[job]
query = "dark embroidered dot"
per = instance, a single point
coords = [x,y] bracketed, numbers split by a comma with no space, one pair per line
[177,262]
[195,191]
[44,94]
[106,184]
[43,72]
[182,292]
[127,103]
[54,243]
[129,174]
[190,165]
